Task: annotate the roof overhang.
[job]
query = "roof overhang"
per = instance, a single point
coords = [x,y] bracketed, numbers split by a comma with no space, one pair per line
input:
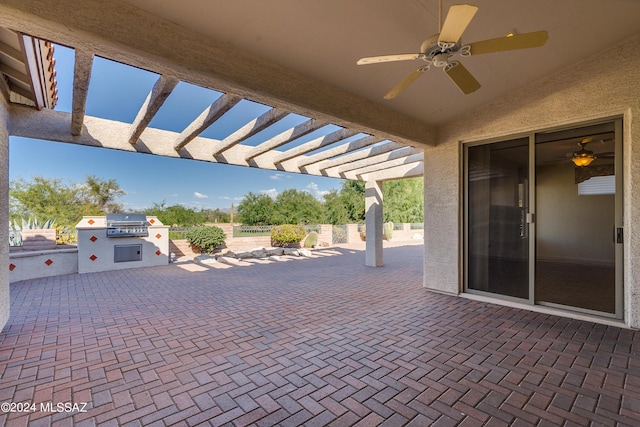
[28,69]
[387,144]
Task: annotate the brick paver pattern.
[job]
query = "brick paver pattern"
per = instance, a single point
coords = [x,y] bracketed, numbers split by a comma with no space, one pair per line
[323,341]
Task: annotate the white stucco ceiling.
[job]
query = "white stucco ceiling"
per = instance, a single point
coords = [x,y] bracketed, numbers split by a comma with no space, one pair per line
[323,39]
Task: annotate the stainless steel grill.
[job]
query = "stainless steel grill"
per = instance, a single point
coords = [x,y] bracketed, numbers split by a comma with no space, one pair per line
[127,225]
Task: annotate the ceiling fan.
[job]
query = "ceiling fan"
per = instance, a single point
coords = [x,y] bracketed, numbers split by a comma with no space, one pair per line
[439,49]
[584,157]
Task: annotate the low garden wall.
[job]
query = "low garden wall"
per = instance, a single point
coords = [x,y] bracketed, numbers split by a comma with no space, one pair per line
[25,265]
[351,234]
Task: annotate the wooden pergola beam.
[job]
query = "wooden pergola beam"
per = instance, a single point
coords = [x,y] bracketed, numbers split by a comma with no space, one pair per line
[156,98]
[206,119]
[81,78]
[250,129]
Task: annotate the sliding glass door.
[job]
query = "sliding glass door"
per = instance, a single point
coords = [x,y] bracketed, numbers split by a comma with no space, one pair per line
[577,226]
[543,219]
[497,206]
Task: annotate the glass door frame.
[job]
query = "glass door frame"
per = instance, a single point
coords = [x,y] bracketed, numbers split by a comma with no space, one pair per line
[531,216]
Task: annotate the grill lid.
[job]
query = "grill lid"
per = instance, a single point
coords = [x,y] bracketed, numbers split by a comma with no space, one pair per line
[128,219]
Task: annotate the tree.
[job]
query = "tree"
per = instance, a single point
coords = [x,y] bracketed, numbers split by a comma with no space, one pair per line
[50,198]
[45,198]
[352,194]
[215,215]
[347,205]
[403,200]
[176,215]
[334,210]
[256,209]
[102,194]
[297,207]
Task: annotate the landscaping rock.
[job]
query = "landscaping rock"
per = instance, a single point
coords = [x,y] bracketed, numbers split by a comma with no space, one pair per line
[259,253]
[275,252]
[304,252]
[291,252]
[244,255]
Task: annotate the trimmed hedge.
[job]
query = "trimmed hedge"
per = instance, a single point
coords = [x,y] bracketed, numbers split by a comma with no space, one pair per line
[206,238]
[287,235]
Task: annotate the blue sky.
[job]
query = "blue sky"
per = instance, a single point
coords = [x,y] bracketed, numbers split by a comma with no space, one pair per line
[116,92]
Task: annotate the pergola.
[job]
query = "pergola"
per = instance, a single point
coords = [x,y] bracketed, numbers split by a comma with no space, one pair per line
[339,148]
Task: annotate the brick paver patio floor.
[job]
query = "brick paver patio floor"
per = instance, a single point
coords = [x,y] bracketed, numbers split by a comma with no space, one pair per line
[323,341]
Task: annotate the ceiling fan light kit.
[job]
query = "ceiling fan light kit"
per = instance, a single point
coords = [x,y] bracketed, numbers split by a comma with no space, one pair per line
[439,49]
[583,157]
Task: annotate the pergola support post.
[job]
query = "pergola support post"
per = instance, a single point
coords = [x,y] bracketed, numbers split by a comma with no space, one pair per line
[373,218]
[4,212]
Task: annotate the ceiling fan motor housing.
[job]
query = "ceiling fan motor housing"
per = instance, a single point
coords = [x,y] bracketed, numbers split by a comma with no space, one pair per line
[435,54]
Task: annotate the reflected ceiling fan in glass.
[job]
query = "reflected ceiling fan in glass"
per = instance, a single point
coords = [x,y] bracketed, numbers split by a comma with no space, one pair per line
[583,157]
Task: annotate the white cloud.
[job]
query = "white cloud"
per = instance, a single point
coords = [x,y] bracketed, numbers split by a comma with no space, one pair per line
[315,190]
[272,192]
[200,195]
[276,177]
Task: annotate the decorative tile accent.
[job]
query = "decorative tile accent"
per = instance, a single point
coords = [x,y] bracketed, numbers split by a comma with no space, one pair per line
[158,236]
[91,222]
[151,221]
[93,257]
[12,267]
[158,252]
[49,261]
[93,238]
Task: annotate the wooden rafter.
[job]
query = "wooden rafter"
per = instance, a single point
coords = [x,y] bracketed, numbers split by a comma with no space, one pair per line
[81,78]
[284,138]
[158,95]
[250,129]
[319,142]
[206,119]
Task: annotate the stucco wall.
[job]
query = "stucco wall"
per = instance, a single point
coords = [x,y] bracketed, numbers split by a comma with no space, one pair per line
[36,264]
[4,212]
[604,86]
[96,250]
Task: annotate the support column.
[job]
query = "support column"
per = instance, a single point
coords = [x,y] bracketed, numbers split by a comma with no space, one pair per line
[4,212]
[373,218]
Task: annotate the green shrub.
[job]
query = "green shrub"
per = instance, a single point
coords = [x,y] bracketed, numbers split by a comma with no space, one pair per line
[65,235]
[312,240]
[287,235]
[206,238]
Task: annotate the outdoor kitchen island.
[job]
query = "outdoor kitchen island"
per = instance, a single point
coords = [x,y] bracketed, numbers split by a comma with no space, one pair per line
[119,241]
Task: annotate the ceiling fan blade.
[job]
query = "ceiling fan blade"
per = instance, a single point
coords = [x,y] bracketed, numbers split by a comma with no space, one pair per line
[462,78]
[388,58]
[404,83]
[519,41]
[457,20]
